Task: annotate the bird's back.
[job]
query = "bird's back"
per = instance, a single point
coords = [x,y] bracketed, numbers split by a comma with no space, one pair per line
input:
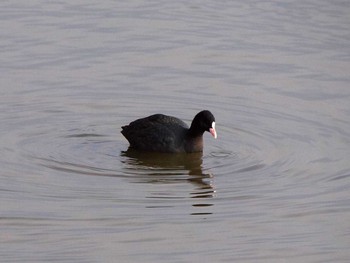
[158,132]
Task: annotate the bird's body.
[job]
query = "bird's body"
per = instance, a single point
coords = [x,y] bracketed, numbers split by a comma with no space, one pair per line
[162,133]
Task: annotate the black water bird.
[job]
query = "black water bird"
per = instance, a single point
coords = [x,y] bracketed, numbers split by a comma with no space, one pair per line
[162,133]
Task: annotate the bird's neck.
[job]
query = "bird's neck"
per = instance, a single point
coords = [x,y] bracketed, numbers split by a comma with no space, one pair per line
[194,132]
[194,143]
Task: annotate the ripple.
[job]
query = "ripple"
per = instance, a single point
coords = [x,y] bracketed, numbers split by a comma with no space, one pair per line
[254,142]
[244,145]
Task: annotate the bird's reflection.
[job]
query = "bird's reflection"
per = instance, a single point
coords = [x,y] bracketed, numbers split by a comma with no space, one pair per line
[163,164]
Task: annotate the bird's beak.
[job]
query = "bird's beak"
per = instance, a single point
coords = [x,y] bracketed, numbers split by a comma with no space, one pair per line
[213,131]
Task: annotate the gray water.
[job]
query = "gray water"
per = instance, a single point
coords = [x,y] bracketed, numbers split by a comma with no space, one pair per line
[274,186]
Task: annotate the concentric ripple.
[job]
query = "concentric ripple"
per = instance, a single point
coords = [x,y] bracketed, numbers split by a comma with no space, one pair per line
[255,140]
[259,147]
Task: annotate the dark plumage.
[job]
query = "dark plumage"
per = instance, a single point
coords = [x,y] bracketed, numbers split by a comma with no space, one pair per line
[162,133]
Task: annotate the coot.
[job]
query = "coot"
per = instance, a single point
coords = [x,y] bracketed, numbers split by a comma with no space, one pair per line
[162,133]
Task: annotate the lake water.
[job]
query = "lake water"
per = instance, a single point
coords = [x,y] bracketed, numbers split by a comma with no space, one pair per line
[274,186]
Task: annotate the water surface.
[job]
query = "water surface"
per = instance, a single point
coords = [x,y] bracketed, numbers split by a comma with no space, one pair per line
[273,187]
